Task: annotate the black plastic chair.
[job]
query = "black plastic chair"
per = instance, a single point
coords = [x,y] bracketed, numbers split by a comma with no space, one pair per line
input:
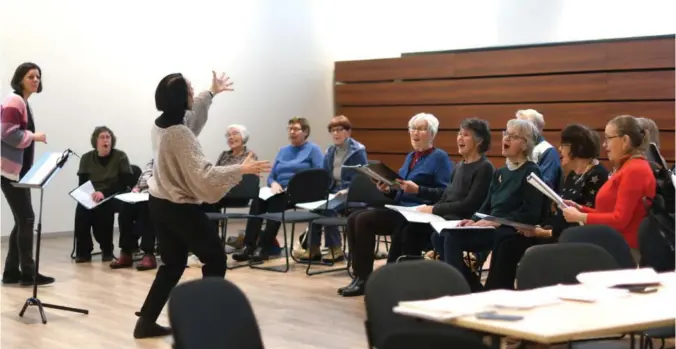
[305,186]
[246,190]
[549,265]
[420,339]
[362,193]
[415,280]
[212,313]
[603,236]
[660,333]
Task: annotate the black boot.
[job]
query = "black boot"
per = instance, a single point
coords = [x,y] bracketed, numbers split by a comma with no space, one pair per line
[340,290]
[244,254]
[27,280]
[356,289]
[148,329]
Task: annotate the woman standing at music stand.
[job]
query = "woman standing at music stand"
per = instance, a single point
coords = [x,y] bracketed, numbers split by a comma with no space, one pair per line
[18,150]
[182,180]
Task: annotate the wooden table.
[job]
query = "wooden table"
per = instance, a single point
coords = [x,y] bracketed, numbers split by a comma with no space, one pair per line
[571,320]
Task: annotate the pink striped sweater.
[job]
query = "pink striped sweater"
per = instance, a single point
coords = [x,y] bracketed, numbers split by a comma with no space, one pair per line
[14,135]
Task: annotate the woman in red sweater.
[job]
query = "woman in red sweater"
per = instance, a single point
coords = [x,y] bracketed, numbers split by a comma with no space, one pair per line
[619,202]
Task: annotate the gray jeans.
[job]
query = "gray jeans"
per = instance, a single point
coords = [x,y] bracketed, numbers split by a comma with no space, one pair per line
[20,251]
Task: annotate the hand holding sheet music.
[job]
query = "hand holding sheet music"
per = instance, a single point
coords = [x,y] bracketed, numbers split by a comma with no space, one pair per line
[84,195]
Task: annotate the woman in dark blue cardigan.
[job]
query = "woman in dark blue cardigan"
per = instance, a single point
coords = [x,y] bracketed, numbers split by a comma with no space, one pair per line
[426,166]
[345,151]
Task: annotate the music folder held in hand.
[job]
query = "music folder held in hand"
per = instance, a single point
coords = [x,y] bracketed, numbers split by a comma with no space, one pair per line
[39,177]
[378,172]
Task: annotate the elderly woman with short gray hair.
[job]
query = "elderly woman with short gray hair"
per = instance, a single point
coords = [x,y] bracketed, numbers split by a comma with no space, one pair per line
[509,197]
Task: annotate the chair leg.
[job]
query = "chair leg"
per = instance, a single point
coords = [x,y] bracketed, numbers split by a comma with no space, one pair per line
[309,263]
[285,268]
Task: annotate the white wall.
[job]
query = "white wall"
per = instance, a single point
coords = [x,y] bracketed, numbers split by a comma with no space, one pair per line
[102,61]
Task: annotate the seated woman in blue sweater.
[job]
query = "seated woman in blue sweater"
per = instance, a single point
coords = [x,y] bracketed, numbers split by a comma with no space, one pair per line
[344,151]
[510,197]
[297,156]
[426,166]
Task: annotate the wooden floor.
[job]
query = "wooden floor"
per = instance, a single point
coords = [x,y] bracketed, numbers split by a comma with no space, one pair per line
[293,310]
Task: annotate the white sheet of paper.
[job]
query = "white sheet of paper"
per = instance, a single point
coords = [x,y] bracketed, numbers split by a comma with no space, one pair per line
[43,170]
[265,193]
[450,225]
[315,204]
[412,215]
[541,186]
[589,294]
[620,277]
[83,195]
[133,198]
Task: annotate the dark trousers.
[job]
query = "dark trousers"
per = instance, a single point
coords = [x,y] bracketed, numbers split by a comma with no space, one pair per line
[410,240]
[655,250]
[20,249]
[505,259]
[134,222]
[99,220]
[181,228]
[277,203]
[362,228]
[451,244]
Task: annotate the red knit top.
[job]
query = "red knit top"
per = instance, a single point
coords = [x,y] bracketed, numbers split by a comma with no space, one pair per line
[619,202]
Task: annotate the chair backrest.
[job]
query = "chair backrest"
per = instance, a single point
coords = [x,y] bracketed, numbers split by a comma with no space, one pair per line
[549,265]
[247,188]
[397,282]
[212,313]
[309,186]
[136,172]
[657,251]
[431,340]
[363,191]
[605,237]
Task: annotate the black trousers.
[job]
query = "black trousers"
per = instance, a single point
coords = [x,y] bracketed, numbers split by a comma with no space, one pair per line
[505,259]
[410,240]
[99,220]
[20,249]
[362,228]
[134,222]
[277,203]
[181,228]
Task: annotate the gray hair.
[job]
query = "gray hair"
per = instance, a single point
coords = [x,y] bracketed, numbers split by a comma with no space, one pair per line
[527,130]
[431,120]
[242,130]
[534,116]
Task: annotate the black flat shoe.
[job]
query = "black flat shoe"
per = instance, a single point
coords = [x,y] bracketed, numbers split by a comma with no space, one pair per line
[260,254]
[340,290]
[243,255]
[356,289]
[11,277]
[147,329]
[27,280]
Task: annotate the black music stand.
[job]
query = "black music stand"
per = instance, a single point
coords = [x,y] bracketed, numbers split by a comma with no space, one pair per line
[38,178]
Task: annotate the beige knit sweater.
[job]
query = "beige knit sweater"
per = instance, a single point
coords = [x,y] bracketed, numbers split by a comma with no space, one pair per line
[181,173]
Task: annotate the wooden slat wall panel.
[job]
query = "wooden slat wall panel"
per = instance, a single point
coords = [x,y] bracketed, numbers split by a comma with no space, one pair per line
[652,85]
[655,53]
[398,141]
[557,115]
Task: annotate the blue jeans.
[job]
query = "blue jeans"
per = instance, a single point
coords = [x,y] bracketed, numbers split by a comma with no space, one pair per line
[332,237]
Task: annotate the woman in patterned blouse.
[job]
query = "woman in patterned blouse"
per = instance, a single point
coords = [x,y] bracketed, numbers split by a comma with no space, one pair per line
[579,149]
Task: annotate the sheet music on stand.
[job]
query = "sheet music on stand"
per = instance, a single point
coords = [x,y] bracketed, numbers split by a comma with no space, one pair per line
[42,171]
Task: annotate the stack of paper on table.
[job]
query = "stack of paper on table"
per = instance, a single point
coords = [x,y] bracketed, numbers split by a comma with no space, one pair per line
[625,277]
[437,222]
[450,307]
[133,198]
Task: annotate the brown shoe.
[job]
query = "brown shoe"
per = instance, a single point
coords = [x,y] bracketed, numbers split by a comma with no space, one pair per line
[147,263]
[125,261]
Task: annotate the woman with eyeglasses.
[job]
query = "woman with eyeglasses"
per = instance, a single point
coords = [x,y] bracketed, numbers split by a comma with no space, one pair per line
[619,202]
[510,197]
[579,149]
[299,155]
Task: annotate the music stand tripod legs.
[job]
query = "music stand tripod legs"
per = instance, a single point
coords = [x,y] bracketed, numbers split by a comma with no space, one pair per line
[37,178]
[35,300]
